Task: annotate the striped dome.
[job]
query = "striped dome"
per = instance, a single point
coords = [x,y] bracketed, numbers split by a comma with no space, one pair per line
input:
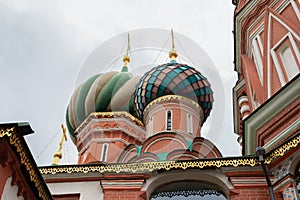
[112,91]
[170,79]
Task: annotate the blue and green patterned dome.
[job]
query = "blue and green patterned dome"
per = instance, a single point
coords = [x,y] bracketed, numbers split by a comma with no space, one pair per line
[173,79]
[112,91]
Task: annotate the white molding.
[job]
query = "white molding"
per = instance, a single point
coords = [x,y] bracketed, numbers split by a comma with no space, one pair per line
[286,26]
[282,134]
[238,25]
[278,68]
[101,140]
[295,7]
[115,119]
[275,57]
[268,111]
[135,127]
[236,108]
[260,44]
[295,47]
[244,109]
[243,99]
[258,61]
[268,58]
[254,35]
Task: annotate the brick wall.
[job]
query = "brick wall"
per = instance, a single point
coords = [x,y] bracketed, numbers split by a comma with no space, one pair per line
[122,194]
[253,193]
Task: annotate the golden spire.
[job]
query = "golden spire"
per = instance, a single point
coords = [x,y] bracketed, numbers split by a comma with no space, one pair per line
[126,58]
[58,155]
[173,53]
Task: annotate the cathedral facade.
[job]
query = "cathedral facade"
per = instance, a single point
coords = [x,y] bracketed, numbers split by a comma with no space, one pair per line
[140,137]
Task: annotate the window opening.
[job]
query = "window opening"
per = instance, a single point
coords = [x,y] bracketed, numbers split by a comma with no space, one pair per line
[289,62]
[169,120]
[104,152]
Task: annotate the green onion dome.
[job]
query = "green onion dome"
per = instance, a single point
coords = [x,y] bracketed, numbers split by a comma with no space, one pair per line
[112,91]
[173,79]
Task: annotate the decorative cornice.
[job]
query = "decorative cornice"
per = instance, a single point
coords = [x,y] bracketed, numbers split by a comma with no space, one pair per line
[172,98]
[16,141]
[150,166]
[267,111]
[109,115]
[249,161]
[6,132]
[279,152]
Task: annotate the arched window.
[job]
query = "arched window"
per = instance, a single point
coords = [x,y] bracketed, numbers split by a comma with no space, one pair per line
[190,124]
[150,127]
[104,152]
[257,59]
[169,120]
[188,190]
[289,62]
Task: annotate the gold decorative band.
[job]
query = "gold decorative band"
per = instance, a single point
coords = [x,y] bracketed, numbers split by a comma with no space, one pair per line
[168,165]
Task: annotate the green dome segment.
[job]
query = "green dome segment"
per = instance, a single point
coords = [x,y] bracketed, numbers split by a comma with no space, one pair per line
[112,91]
[111,87]
[69,126]
[173,79]
[80,104]
[95,89]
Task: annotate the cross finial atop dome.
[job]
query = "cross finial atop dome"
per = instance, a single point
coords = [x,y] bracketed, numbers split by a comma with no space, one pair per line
[126,58]
[173,53]
[58,155]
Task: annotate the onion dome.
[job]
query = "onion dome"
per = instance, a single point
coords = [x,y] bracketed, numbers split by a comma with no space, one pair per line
[111,91]
[173,79]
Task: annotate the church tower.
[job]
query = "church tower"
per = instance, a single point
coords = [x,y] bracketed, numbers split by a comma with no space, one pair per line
[118,117]
[267,62]
[266,97]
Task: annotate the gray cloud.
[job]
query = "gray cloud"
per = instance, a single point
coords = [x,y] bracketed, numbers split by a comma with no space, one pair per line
[43,44]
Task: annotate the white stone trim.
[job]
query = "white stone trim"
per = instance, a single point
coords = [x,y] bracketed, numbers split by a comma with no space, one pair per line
[268,58]
[275,58]
[238,25]
[101,140]
[272,108]
[260,44]
[295,7]
[243,99]
[278,68]
[282,134]
[244,109]
[116,119]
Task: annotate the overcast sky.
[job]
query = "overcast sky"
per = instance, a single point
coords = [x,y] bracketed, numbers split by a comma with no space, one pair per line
[43,45]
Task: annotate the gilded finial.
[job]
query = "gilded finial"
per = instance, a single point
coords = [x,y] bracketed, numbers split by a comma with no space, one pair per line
[58,155]
[126,58]
[173,53]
